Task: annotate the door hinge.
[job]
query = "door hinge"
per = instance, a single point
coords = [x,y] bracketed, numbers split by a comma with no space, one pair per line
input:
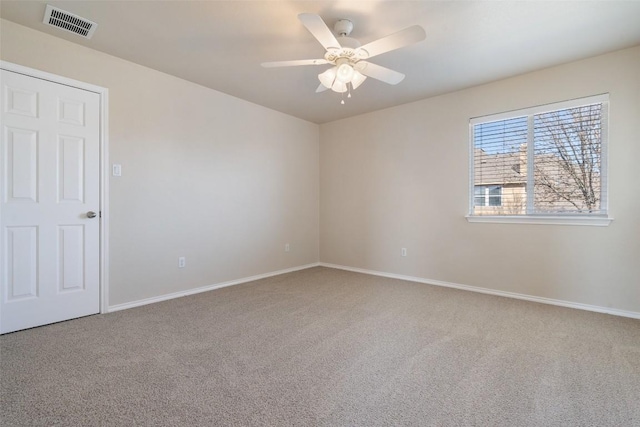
[100,214]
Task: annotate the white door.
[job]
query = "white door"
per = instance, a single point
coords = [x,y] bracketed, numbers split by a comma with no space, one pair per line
[49,191]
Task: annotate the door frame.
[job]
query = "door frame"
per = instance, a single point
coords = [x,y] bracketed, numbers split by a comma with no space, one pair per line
[104,164]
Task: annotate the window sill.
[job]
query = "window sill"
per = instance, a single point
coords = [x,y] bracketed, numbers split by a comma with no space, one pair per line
[597,221]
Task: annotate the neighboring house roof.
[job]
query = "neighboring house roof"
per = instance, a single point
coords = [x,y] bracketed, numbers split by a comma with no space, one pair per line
[500,168]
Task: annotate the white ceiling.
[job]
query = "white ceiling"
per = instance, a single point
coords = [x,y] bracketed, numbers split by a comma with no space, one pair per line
[220,44]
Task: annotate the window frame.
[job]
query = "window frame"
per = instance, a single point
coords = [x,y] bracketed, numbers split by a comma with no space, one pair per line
[600,219]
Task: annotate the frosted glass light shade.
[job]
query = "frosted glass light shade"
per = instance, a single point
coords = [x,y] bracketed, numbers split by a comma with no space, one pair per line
[345,73]
[339,86]
[328,77]
[358,79]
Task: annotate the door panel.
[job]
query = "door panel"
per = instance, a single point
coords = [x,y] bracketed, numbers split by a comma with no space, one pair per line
[50,180]
[22,262]
[21,101]
[71,258]
[22,165]
[70,169]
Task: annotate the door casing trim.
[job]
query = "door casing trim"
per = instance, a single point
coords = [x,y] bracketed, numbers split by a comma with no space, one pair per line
[104,163]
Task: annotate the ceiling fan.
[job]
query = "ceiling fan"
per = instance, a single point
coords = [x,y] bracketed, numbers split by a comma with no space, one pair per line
[349,59]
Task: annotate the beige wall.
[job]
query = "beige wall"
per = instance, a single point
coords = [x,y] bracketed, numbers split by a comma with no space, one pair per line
[399,178]
[219,180]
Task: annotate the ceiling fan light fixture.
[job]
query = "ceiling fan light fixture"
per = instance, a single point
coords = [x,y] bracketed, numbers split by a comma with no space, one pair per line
[338,78]
[328,77]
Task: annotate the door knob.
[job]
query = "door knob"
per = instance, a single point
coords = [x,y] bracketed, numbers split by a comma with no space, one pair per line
[91,214]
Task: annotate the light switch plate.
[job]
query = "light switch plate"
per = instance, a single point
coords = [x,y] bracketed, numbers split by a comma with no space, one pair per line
[117,169]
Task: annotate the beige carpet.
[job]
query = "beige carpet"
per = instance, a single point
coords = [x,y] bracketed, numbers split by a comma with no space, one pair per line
[324,347]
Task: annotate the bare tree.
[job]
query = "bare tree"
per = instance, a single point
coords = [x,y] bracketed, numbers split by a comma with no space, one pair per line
[568,147]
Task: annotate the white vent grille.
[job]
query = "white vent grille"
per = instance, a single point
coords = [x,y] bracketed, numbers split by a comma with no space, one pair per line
[69,22]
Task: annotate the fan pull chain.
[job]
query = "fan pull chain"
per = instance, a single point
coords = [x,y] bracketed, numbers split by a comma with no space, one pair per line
[349,85]
[342,102]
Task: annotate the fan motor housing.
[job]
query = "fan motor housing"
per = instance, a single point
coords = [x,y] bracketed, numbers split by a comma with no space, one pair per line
[343,27]
[353,55]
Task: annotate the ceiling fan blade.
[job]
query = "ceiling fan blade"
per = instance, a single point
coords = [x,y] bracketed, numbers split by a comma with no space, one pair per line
[294,63]
[319,30]
[321,88]
[380,73]
[394,41]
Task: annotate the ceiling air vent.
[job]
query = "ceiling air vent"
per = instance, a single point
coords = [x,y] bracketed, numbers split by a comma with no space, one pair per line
[69,22]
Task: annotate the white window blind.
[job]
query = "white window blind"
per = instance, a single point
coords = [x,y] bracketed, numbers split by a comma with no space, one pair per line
[548,160]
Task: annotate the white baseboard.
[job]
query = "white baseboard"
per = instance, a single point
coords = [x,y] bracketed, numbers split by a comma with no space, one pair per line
[173,295]
[569,304]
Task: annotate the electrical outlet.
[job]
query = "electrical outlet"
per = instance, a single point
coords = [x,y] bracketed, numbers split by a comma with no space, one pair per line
[403,252]
[286,247]
[182,262]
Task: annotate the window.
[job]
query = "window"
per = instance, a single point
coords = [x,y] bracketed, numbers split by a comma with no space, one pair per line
[487,195]
[542,163]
